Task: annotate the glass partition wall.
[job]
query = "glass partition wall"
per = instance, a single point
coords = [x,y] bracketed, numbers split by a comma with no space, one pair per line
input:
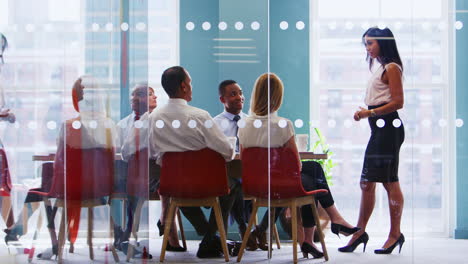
[260,79]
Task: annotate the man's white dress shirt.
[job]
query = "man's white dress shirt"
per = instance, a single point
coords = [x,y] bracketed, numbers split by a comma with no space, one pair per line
[178,127]
[124,127]
[137,135]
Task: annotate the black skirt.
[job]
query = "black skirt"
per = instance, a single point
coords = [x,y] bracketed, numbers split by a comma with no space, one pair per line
[383,150]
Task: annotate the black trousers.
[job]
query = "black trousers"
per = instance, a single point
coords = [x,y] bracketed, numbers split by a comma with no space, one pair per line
[208,228]
[313,178]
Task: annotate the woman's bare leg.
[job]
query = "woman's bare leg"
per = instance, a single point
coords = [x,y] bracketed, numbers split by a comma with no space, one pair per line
[336,217]
[367,206]
[395,203]
[7,212]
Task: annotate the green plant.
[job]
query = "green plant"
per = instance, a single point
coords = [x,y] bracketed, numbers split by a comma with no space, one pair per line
[321,146]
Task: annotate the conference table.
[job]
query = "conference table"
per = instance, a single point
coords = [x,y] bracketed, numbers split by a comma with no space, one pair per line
[118,156]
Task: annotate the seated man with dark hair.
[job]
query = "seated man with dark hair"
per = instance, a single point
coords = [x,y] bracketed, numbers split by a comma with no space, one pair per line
[195,132]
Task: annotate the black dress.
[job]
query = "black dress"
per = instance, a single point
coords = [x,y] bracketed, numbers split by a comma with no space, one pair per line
[383,150]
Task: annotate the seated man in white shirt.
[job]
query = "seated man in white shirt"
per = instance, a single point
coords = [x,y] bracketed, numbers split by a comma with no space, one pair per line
[232,98]
[176,81]
[124,128]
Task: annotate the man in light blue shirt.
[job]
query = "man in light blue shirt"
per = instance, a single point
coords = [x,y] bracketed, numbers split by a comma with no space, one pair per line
[231,96]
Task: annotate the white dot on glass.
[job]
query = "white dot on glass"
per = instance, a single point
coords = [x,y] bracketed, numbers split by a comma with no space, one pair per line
[176,124]
[396,122]
[365,25]
[282,123]
[426,25]
[206,26]
[381,26]
[300,25]
[441,26]
[93,124]
[140,26]
[241,123]
[192,124]
[224,123]
[138,124]
[299,123]
[459,122]
[78,27]
[458,25]
[208,123]
[257,123]
[51,125]
[398,25]
[124,26]
[76,124]
[109,27]
[380,123]
[332,25]
[349,25]
[190,26]
[222,25]
[442,122]
[159,124]
[314,123]
[48,27]
[426,122]
[348,123]
[32,125]
[255,25]
[95,27]
[284,25]
[239,25]
[30,27]
[331,123]
[108,123]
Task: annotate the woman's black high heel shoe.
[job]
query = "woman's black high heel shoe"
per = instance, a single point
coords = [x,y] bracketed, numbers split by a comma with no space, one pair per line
[48,253]
[389,250]
[346,231]
[362,239]
[169,247]
[307,249]
[161,228]
[10,236]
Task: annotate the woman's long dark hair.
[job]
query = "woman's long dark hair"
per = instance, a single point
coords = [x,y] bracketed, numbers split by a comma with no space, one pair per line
[3,46]
[388,48]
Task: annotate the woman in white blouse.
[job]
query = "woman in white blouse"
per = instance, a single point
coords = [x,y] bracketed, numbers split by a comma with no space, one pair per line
[384,96]
[264,110]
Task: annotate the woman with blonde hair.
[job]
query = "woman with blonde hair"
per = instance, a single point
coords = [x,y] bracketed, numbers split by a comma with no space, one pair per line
[264,108]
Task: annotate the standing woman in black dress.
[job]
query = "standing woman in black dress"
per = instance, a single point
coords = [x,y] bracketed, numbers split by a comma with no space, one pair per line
[384,96]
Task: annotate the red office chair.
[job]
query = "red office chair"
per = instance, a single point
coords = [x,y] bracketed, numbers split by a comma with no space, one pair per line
[194,178]
[285,188]
[137,186]
[5,184]
[87,175]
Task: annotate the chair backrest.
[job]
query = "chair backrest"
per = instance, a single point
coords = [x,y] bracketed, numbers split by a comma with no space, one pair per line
[137,179]
[285,174]
[5,179]
[88,173]
[193,174]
